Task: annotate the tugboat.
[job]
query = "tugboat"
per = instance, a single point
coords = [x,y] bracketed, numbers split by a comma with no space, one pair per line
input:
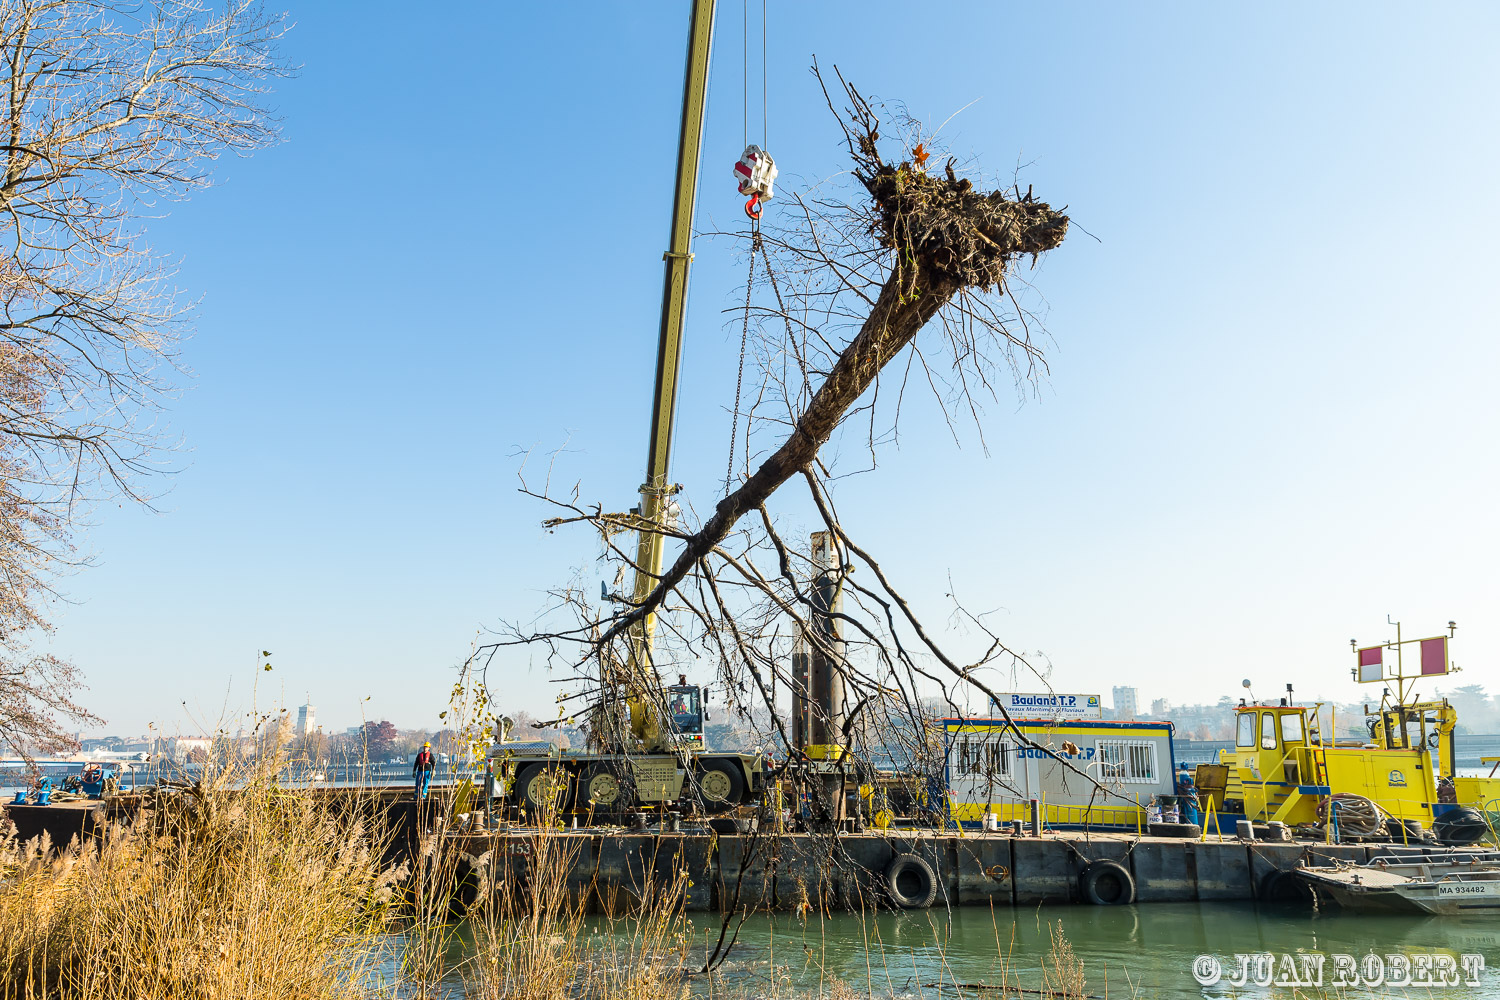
[1284,770]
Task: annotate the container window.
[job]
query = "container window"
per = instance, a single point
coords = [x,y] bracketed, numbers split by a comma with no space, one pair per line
[1112,759]
[977,757]
[1244,735]
[997,760]
[1291,728]
[1268,730]
[1128,761]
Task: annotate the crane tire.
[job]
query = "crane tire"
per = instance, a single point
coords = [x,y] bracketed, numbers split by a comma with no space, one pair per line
[605,790]
[721,786]
[1107,883]
[910,882]
[531,798]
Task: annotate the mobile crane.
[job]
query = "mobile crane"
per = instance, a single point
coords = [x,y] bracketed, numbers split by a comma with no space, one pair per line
[647,740]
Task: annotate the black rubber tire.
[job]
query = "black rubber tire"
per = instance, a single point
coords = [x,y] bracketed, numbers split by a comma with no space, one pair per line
[720,785]
[604,790]
[1181,830]
[1284,886]
[1460,827]
[910,882]
[530,799]
[1107,883]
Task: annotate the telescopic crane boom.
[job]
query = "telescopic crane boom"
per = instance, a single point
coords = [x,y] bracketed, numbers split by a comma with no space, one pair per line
[656,492]
[647,740]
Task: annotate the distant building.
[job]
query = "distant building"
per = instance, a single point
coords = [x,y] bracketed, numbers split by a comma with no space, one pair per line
[306,720]
[1161,708]
[187,748]
[1125,702]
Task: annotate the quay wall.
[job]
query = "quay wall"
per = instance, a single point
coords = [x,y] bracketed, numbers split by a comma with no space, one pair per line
[611,868]
[787,872]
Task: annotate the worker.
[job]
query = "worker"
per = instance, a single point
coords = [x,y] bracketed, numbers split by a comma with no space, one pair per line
[421,770]
[1187,795]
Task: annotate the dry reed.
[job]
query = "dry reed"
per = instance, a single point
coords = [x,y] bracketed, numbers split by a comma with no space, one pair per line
[533,938]
[230,888]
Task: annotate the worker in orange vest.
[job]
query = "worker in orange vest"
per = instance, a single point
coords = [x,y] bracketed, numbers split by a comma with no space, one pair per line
[421,769]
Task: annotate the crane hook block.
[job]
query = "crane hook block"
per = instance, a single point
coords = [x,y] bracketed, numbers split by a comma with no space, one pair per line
[756,174]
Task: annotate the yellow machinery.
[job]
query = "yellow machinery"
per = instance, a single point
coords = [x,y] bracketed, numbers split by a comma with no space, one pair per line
[1284,768]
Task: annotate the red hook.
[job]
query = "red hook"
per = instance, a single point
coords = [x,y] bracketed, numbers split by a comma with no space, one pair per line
[753,207]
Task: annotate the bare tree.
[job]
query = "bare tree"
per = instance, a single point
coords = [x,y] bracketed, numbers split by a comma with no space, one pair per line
[854,282]
[112,109]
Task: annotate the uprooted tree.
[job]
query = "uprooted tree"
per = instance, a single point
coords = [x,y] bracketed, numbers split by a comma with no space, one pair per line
[868,293]
[110,109]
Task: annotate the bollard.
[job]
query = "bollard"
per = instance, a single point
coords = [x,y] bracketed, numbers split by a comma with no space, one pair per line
[1036,818]
[1244,829]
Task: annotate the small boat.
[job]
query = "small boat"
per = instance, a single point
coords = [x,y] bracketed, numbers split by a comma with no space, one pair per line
[1447,886]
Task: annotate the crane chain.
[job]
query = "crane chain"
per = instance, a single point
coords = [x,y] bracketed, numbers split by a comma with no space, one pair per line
[791,336]
[734,428]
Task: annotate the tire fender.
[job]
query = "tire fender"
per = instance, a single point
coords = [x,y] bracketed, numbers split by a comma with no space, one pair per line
[1284,886]
[910,882]
[1107,883]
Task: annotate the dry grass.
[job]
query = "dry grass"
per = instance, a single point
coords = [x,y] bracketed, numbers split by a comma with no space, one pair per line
[235,888]
[533,939]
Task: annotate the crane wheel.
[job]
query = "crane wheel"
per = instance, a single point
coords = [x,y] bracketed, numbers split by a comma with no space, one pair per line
[603,789]
[542,789]
[721,786]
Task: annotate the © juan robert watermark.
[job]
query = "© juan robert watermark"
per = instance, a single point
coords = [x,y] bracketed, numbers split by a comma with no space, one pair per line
[1311,969]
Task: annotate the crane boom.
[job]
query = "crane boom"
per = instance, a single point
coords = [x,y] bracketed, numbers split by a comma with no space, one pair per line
[656,757]
[656,491]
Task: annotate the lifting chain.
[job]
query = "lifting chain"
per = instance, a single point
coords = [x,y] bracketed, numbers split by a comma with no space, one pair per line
[734,428]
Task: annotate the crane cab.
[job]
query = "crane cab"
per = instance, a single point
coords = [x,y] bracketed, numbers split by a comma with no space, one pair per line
[688,709]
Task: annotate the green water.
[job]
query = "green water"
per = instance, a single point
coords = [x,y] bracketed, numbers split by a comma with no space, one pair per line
[1144,951]
[1131,951]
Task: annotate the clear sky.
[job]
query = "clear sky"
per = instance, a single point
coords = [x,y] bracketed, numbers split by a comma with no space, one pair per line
[1270,421]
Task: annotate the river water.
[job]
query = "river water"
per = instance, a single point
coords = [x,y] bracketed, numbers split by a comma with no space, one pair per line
[1126,951]
[1142,951]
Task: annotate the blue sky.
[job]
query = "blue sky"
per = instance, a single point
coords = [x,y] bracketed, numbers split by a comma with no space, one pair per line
[1269,423]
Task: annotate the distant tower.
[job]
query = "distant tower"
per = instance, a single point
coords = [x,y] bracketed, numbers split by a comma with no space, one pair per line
[1125,703]
[306,719]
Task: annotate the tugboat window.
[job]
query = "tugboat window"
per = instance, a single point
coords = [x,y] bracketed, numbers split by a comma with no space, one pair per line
[1291,729]
[1268,730]
[1245,735]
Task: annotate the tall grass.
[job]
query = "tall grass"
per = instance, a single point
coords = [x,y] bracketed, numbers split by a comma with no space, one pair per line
[228,888]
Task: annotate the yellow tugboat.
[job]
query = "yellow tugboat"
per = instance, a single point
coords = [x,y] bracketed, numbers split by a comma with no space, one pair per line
[1285,768]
